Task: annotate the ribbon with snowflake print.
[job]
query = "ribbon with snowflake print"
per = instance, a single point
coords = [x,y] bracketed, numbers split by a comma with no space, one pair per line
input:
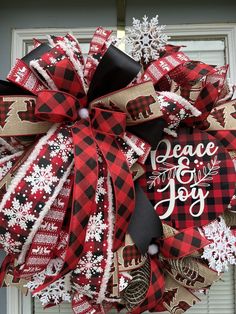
[101,120]
[56,106]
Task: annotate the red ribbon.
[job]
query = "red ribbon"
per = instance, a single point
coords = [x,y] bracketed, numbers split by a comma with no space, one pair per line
[8,260]
[99,132]
[181,244]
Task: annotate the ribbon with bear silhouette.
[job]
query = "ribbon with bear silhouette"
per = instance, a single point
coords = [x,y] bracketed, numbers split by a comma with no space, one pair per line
[72,215]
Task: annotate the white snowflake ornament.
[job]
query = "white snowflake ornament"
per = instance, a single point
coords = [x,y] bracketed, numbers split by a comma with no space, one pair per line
[146,39]
[221,252]
[58,291]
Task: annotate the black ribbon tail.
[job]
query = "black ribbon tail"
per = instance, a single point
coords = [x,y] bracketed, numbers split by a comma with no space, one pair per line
[8,88]
[115,71]
[151,131]
[145,225]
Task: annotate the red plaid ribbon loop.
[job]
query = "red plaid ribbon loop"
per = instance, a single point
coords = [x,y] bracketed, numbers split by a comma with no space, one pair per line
[56,106]
[92,137]
[108,122]
[183,243]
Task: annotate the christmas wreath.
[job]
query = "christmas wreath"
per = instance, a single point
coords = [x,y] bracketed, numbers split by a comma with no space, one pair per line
[117,173]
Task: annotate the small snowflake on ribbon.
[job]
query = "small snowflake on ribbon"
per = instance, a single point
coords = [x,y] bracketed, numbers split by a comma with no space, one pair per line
[95,228]
[19,214]
[100,189]
[70,44]
[4,169]
[85,289]
[146,39]
[62,147]
[89,265]
[54,267]
[123,283]
[9,245]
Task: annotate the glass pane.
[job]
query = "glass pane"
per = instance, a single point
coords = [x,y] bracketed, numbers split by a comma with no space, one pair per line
[219,300]
[208,51]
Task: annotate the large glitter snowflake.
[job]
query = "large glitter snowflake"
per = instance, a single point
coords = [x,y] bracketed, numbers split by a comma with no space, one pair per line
[58,291]
[62,147]
[221,252]
[19,214]
[41,179]
[89,265]
[146,39]
[95,228]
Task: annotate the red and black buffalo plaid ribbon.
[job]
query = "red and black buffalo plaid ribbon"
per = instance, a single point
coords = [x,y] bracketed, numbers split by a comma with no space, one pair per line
[182,243]
[191,72]
[204,103]
[156,288]
[107,125]
[100,133]
[56,106]
[65,78]
[226,137]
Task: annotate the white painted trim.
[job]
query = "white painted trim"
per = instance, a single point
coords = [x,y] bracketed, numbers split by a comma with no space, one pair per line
[227,31]
[22,37]
[17,303]
[26,307]
[13,300]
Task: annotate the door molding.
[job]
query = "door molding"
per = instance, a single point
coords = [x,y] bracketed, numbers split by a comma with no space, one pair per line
[23,38]
[226,31]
